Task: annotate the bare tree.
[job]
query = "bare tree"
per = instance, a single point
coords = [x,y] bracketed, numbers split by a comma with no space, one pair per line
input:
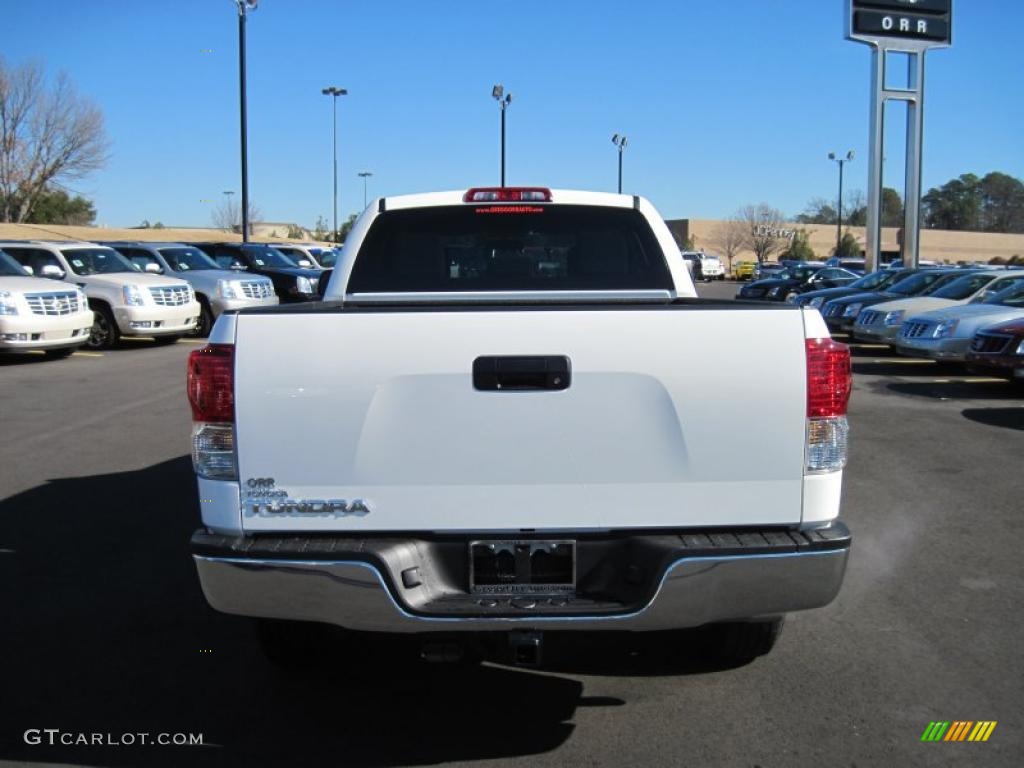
[228,215]
[46,135]
[764,230]
[728,239]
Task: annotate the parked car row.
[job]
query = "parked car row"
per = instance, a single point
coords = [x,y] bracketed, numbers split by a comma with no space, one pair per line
[801,277]
[970,316]
[57,296]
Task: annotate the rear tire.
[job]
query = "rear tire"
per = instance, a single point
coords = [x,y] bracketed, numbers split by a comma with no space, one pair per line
[735,644]
[105,334]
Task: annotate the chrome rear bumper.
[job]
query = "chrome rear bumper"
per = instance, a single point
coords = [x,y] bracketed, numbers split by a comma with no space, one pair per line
[359,594]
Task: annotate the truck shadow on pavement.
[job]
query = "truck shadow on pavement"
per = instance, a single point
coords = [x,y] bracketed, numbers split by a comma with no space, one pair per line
[105,631]
[1010,418]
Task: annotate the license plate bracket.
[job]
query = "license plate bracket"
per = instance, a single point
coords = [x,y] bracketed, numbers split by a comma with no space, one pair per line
[522,566]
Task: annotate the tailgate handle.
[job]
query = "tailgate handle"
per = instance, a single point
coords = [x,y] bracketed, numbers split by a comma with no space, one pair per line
[522,374]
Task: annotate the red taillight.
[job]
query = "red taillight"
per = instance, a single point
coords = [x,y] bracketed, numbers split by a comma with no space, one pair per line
[211,379]
[507,195]
[829,378]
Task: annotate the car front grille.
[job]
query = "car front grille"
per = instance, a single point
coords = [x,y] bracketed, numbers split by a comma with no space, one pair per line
[63,303]
[914,330]
[752,293]
[257,289]
[990,343]
[170,296]
[869,317]
[834,310]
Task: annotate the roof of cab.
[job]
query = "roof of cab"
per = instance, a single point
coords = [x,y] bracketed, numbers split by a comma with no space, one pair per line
[558,197]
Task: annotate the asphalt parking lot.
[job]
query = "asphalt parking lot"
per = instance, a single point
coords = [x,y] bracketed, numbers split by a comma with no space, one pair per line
[105,629]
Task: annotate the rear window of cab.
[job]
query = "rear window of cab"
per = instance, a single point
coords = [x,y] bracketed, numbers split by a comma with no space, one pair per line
[522,247]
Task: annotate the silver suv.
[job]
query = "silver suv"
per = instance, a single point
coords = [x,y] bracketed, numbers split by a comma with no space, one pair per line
[124,299]
[217,290]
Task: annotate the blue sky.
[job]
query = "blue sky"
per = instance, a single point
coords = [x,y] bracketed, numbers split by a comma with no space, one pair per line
[724,103]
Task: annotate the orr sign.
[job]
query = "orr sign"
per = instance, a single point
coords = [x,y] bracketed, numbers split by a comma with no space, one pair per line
[919,23]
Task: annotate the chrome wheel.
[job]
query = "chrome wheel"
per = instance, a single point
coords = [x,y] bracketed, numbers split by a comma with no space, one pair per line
[104,333]
[205,323]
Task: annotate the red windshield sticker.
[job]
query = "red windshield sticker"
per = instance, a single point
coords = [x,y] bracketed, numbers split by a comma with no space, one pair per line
[510,209]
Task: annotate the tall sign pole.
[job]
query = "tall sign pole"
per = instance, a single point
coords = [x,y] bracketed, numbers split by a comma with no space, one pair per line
[244,6]
[898,26]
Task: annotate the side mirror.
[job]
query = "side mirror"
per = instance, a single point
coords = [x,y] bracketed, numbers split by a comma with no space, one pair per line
[153,268]
[52,271]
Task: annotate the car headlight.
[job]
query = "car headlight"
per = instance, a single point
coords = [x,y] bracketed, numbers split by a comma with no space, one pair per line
[133,296]
[228,289]
[83,300]
[817,301]
[945,329]
[302,285]
[894,318]
[852,310]
[775,291]
[7,303]
[1020,349]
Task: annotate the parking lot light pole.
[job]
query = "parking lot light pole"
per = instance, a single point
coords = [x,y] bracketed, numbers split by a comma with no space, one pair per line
[244,6]
[839,209]
[620,142]
[334,92]
[364,175]
[503,99]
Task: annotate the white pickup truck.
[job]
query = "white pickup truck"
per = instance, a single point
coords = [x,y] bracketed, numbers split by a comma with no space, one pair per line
[514,416]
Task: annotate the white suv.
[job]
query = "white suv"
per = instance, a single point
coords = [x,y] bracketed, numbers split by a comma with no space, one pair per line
[126,301]
[704,266]
[36,314]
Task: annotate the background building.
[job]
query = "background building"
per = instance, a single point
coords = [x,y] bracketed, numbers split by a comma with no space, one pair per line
[936,244]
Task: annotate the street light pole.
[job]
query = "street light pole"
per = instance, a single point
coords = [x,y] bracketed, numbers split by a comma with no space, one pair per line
[503,99]
[620,142]
[243,7]
[839,209]
[364,175]
[334,92]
